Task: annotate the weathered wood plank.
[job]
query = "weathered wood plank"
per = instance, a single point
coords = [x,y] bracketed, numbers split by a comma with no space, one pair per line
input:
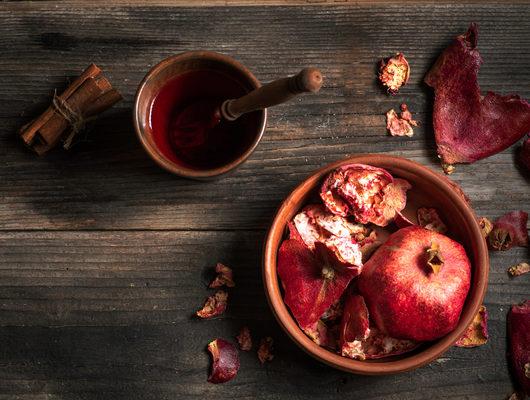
[109,183]
[109,315]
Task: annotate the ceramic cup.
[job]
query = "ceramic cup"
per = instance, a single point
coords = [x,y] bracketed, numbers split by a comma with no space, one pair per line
[166,71]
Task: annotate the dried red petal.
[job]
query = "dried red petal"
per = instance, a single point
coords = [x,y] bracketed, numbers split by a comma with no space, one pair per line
[368,193]
[519,336]
[519,269]
[397,126]
[244,339]
[394,72]
[225,277]
[429,219]
[312,281]
[360,341]
[467,125]
[486,226]
[225,361]
[265,350]
[215,305]
[509,230]
[477,332]
[524,153]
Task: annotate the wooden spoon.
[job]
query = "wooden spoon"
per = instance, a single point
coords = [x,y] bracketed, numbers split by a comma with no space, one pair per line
[193,124]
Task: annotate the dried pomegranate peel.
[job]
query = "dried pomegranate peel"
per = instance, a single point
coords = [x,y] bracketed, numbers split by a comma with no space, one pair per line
[428,218]
[486,226]
[225,277]
[244,339]
[509,230]
[394,72]
[215,305]
[408,298]
[312,280]
[519,269]
[369,194]
[225,361]
[476,333]
[400,125]
[265,350]
[519,348]
[467,125]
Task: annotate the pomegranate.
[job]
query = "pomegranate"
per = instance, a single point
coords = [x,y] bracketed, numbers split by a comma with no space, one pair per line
[415,284]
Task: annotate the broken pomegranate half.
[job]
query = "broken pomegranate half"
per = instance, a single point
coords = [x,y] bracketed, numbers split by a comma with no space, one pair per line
[468,125]
[368,193]
[225,361]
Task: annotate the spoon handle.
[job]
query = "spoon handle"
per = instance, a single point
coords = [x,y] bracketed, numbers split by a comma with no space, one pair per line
[275,92]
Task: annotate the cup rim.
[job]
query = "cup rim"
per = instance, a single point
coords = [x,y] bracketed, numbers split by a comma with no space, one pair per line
[155,153]
[379,367]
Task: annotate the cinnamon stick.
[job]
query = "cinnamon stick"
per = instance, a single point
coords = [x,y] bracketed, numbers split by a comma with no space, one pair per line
[88,95]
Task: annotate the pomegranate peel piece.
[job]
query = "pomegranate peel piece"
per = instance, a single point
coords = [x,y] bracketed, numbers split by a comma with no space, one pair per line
[467,125]
[394,72]
[265,350]
[519,347]
[312,281]
[244,339]
[428,218]
[397,126]
[225,361]
[477,332]
[402,221]
[486,226]
[215,305]
[407,115]
[321,335]
[225,277]
[519,269]
[334,312]
[509,230]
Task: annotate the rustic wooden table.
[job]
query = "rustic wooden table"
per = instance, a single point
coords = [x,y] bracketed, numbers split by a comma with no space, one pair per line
[104,257]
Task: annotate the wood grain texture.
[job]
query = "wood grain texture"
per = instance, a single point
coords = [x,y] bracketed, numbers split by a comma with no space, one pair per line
[104,257]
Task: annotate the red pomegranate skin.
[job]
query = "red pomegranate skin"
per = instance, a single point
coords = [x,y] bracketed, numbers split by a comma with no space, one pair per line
[406,299]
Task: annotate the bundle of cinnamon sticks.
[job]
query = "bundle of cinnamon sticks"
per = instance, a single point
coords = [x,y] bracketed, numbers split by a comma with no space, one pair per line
[90,94]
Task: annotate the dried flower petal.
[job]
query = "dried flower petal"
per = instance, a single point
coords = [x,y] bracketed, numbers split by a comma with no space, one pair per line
[429,219]
[509,230]
[519,336]
[215,305]
[368,193]
[477,332]
[524,153]
[486,226]
[397,126]
[312,281]
[519,269]
[244,339]
[265,350]
[224,277]
[394,72]
[469,126]
[225,361]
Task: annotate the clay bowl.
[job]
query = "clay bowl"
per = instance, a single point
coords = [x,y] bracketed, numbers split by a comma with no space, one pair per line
[170,68]
[428,189]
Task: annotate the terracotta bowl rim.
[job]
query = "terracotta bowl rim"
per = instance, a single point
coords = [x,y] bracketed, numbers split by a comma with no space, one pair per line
[153,151]
[405,363]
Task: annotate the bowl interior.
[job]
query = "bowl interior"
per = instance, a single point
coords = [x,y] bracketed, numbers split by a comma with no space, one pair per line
[225,72]
[428,189]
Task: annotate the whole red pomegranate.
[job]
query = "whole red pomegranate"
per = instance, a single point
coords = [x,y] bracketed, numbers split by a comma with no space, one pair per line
[416,283]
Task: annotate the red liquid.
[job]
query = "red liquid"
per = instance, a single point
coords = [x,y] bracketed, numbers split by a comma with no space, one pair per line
[225,142]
